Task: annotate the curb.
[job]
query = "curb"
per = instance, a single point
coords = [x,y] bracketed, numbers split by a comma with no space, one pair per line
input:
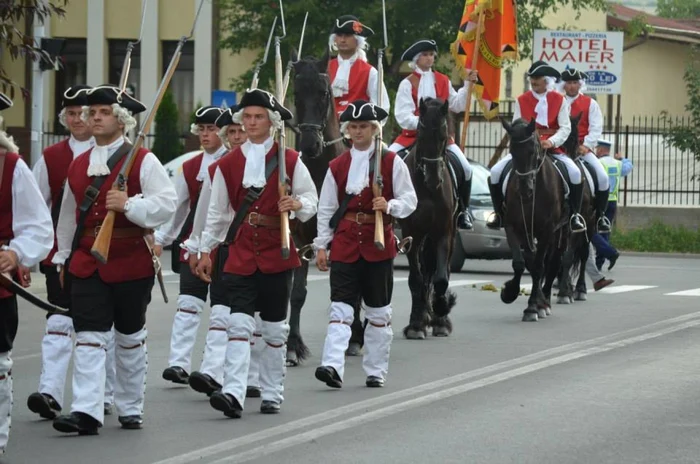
[643,254]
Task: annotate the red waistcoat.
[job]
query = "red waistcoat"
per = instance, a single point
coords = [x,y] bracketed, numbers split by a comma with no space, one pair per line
[129,258]
[190,169]
[358,82]
[257,248]
[352,240]
[528,102]
[442,91]
[582,106]
[6,232]
[58,158]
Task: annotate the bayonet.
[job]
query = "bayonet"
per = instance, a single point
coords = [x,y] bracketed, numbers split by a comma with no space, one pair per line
[254,84]
[126,67]
[290,65]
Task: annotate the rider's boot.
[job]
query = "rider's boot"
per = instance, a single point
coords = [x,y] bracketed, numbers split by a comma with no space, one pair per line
[464,220]
[496,220]
[575,198]
[601,205]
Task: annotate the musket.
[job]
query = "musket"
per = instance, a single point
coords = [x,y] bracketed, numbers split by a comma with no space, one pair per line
[13,287]
[290,65]
[126,67]
[254,84]
[283,186]
[377,182]
[100,249]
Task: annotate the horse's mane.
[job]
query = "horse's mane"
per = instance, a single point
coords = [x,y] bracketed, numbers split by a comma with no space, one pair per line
[520,130]
[571,143]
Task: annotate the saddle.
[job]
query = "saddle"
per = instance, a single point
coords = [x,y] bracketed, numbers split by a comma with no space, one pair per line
[559,166]
[454,167]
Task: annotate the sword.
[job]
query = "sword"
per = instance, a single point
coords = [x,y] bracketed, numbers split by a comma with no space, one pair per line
[254,84]
[15,288]
[150,241]
[290,65]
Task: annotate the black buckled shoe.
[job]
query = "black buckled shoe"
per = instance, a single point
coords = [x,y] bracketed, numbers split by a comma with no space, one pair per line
[44,405]
[77,422]
[253,392]
[329,376]
[134,422]
[203,383]
[227,404]
[374,382]
[176,375]
[269,407]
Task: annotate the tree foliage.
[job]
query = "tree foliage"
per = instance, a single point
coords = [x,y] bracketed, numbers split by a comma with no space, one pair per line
[19,44]
[167,144]
[686,136]
[246,25]
[678,9]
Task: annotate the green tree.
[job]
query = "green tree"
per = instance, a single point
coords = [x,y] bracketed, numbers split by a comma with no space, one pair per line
[246,25]
[679,9]
[167,144]
[686,136]
[13,16]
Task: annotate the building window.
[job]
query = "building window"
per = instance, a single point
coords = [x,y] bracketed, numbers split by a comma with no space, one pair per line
[182,84]
[73,72]
[117,54]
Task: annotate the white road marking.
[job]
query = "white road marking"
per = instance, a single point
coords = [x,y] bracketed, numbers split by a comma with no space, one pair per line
[585,348]
[625,288]
[693,292]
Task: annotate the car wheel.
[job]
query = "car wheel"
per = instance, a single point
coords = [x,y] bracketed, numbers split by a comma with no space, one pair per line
[458,255]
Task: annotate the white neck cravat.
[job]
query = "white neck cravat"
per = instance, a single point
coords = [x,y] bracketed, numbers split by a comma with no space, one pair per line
[78,147]
[99,157]
[254,173]
[341,83]
[358,176]
[426,85]
[207,159]
[541,109]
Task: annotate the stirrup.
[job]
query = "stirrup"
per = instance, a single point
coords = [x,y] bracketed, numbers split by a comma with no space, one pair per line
[465,221]
[604,224]
[494,221]
[581,221]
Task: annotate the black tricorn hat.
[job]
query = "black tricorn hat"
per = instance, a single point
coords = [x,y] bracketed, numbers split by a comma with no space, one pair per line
[424,45]
[75,96]
[572,74]
[226,117]
[349,24]
[362,110]
[5,102]
[207,115]
[542,69]
[258,97]
[109,94]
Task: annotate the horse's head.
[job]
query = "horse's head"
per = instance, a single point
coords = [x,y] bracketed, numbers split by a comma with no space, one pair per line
[313,101]
[526,151]
[570,146]
[431,141]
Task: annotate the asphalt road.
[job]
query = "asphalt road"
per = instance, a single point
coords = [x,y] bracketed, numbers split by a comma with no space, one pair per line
[611,380]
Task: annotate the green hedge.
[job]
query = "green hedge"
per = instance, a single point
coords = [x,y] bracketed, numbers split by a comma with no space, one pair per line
[657,237]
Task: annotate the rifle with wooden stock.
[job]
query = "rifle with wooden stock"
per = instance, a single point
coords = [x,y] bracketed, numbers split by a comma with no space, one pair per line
[283,185]
[377,182]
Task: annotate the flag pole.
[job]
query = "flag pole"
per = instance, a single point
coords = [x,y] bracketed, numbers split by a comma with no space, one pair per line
[475,59]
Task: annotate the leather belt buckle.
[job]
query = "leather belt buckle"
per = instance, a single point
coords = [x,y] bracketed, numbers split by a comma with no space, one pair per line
[251,217]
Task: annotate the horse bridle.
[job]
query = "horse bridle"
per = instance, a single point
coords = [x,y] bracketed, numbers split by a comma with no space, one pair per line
[318,129]
[532,173]
[423,160]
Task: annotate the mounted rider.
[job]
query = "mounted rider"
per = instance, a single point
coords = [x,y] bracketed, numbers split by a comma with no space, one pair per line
[590,129]
[352,77]
[551,113]
[424,83]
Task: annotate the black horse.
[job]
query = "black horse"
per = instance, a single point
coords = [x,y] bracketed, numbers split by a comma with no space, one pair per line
[535,219]
[320,141]
[432,224]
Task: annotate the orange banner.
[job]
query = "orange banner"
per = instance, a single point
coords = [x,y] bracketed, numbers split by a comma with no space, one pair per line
[499,42]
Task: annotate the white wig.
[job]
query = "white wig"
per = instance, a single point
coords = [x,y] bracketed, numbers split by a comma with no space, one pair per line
[551,83]
[362,45]
[62,118]
[582,89]
[222,134]
[413,64]
[6,141]
[274,116]
[122,114]
[344,127]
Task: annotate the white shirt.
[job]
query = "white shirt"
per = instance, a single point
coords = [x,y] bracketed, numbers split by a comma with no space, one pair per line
[595,122]
[31,219]
[149,209]
[41,173]
[371,86]
[200,218]
[560,136]
[221,213]
[405,107]
[402,205]
[169,231]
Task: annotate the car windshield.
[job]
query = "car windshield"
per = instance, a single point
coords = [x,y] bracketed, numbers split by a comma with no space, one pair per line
[481,196]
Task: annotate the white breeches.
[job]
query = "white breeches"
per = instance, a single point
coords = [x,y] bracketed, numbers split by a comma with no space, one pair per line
[571,167]
[338,335]
[184,333]
[273,368]
[240,334]
[132,363]
[5,399]
[215,344]
[110,369]
[600,172]
[89,373]
[454,148]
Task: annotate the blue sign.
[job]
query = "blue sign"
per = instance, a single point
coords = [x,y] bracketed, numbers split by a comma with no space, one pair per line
[223,98]
[600,78]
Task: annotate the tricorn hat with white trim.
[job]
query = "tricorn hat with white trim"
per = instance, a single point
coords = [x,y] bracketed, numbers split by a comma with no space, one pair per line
[572,74]
[226,117]
[349,24]
[110,94]
[542,69]
[258,97]
[361,110]
[75,96]
[425,45]
[207,115]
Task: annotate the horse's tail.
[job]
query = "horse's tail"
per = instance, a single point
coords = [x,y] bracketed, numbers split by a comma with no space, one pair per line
[580,255]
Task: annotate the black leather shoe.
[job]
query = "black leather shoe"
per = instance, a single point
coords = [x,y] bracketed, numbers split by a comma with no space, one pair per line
[613,260]
[44,405]
[464,221]
[494,221]
[329,376]
[176,375]
[374,382]
[603,225]
[77,422]
[203,383]
[227,404]
[577,226]
[134,422]
[253,392]
[269,407]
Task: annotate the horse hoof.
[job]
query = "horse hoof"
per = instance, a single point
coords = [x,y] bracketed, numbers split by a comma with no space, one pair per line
[413,334]
[563,299]
[354,349]
[529,317]
[542,313]
[292,360]
[580,296]
[548,311]
[440,331]
[509,295]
